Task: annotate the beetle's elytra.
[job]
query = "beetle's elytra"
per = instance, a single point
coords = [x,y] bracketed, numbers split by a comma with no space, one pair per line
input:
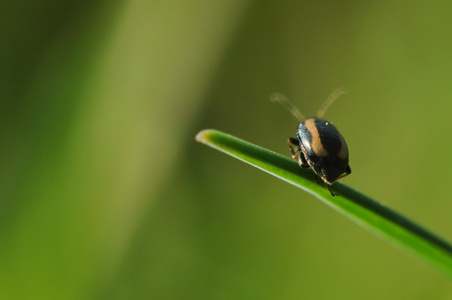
[318,145]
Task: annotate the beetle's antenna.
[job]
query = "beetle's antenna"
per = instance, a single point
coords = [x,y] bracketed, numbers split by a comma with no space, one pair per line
[280,98]
[334,95]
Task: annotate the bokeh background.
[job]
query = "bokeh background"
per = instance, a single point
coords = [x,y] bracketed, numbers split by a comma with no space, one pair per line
[104,193]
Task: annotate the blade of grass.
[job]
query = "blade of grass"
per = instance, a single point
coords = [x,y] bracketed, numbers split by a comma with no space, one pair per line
[366,212]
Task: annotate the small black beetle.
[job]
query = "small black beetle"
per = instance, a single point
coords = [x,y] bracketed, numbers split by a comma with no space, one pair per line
[318,145]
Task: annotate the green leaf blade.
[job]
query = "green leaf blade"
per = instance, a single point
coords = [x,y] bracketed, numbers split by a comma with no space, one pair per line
[358,207]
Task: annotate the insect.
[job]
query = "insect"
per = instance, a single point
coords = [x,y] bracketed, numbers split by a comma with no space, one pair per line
[318,145]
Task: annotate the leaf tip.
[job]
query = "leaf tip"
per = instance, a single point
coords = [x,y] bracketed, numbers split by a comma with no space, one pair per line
[203,136]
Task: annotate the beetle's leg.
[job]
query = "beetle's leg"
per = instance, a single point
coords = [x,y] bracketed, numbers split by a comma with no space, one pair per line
[302,161]
[297,154]
[294,147]
[318,171]
[329,189]
[319,179]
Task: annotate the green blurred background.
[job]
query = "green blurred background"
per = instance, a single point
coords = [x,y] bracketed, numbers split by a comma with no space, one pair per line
[105,194]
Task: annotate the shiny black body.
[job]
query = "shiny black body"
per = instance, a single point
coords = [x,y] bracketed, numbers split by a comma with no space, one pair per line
[333,165]
[320,146]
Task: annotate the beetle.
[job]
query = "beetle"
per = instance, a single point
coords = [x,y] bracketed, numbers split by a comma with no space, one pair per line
[318,145]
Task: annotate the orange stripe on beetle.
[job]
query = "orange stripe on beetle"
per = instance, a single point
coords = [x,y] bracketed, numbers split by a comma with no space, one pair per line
[316,142]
